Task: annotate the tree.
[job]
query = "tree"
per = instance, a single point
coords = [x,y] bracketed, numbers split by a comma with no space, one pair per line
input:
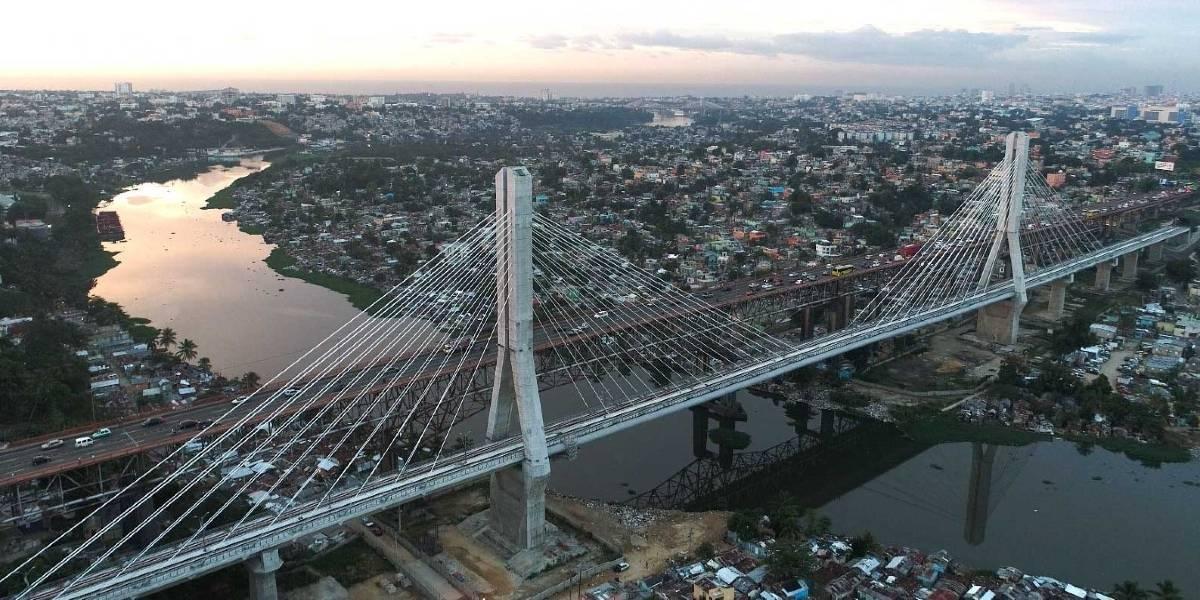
[735,440]
[1146,281]
[1180,270]
[204,363]
[250,380]
[706,551]
[1129,590]
[1166,590]
[187,350]
[863,544]
[166,338]
[791,558]
[744,524]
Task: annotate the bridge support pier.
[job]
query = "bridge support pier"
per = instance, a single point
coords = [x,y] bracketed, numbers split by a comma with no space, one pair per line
[828,422]
[999,322]
[1058,299]
[806,322]
[1154,252]
[262,568]
[1129,266]
[518,494]
[1103,276]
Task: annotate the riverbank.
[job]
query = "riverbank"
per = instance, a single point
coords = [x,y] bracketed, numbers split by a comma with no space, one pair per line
[359,295]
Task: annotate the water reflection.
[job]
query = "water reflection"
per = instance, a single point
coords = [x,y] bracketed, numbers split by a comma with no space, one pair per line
[183,267]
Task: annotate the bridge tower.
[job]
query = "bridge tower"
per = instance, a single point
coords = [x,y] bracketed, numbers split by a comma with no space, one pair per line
[518,495]
[1000,322]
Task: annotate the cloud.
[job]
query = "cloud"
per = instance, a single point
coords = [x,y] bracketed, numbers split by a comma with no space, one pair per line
[867,45]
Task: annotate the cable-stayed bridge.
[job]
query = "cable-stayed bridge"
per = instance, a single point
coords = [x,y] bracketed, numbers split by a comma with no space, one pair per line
[528,301]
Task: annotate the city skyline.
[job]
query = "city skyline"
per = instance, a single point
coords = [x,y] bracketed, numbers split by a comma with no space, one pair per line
[619,48]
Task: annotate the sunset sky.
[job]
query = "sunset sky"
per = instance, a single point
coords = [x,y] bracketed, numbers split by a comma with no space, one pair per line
[916,46]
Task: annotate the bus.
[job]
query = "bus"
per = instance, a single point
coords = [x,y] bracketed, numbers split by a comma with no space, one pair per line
[842,270]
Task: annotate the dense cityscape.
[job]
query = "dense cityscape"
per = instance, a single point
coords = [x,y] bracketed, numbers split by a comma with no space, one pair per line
[864,301]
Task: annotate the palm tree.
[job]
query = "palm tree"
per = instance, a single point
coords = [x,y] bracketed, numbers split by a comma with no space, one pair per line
[250,380]
[204,363]
[166,338]
[1166,590]
[187,350]
[1128,590]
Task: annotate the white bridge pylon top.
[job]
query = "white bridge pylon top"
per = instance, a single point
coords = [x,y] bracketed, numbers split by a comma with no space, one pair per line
[1010,226]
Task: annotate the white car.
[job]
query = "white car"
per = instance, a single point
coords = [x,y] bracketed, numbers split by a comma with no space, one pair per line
[240,399]
[50,445]
[601,315]
[291,392]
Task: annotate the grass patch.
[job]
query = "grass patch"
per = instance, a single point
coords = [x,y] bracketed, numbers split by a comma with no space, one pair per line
[351,563]
[97,263]
[1150,455]
[940,428]
[361,296]
[221,199]
[251,229]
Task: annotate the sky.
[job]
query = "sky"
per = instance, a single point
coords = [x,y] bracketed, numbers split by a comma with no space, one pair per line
[619,47]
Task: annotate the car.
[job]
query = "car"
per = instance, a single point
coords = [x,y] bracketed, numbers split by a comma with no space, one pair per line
[601,315]
[706,295]
[187,424]
[41,459]
[447,349]
[153,421]
[50,445]
[101,433]
[291,392]
[621,567]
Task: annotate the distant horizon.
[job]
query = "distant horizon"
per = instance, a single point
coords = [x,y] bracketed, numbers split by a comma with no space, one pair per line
[616,48]
[558,89]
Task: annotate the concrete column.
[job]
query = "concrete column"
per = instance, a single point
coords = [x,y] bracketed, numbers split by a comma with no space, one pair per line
[807,323]
[518,494]
[828,418]
[1154,252]
[999,322]
[846,310]
[1058,298]
[1129,266]
[1103,276]
[262,570]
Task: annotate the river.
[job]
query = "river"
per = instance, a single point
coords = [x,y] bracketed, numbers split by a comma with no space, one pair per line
[1047,508]
[183,267]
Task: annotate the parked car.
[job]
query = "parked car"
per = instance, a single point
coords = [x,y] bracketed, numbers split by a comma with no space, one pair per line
[153,421]
[621,567]
[50,445]
[103,432]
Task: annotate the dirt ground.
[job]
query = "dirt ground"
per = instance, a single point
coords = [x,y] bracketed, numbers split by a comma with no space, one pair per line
[651,539]
[952,361]
[371,590]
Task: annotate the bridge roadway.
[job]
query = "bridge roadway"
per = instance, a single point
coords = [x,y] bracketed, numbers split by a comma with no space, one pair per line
[160,569]
[129,437]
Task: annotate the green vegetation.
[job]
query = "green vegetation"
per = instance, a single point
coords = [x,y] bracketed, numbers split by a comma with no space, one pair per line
[599,118]
[43,384]
[361,296]
[222,199]
[1150,455]
[934,427]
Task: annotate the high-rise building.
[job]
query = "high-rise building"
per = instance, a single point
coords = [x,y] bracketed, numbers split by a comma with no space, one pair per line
[123,88]
[1152,91]
[986,96]
[287,99]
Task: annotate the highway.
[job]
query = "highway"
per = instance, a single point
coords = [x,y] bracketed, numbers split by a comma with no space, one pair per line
[130,437]
[165,567]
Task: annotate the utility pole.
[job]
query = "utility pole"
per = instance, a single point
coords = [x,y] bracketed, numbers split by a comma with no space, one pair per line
[518,494]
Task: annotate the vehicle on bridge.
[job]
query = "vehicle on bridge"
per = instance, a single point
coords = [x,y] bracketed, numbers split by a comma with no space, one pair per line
[841,270]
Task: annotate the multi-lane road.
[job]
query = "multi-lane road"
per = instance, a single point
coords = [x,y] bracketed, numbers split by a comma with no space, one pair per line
[131,436]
